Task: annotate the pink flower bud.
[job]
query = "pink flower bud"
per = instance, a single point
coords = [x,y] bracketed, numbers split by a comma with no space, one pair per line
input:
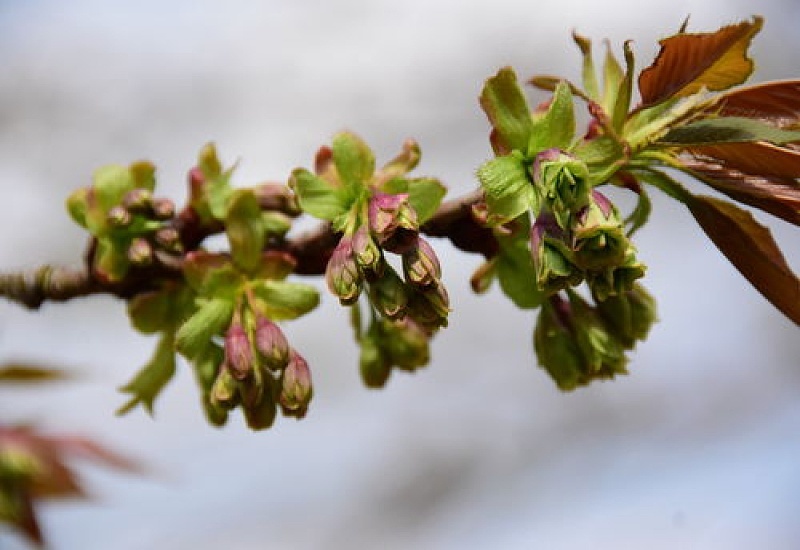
[393,221]
[238,352]
[342,274]
[271,343]
[296,390]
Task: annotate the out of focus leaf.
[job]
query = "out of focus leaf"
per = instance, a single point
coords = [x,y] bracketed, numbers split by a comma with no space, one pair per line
[751,249]
[726,130]
[29,373]
[689,62]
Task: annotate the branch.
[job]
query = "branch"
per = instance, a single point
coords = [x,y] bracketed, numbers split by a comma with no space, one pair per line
[453,220]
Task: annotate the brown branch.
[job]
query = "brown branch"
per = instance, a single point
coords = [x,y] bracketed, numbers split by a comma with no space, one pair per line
[453,220]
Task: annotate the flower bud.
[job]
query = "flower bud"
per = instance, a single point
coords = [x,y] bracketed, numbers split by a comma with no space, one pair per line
[373,364]
[225,390]
[119,217]
[138,201]
[598,235]
[388,294]
[629,314]
[271,343]
[296,390]
[405,343]
[368,255]
[555,346]
[393,221]
[342,275]
[169,239]
[420,264]
[603,353]
[163,208]
[429,307]
[238,351]
[140,252]
[563,181]
[552,257]
[617,279]
[260,414]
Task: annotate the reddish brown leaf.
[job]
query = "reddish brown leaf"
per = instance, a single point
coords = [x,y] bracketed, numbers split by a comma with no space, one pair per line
[751,249]
[688,62]
[756,158]
[777,103]
[778,196]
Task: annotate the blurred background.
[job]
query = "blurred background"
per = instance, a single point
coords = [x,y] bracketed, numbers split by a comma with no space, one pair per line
[697,448]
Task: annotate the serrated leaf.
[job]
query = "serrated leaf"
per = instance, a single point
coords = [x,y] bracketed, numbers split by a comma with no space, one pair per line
[727,130]
[354,161]
[509,192]
[689,62]
[318,197]
[148,382]
[778,196]
[751,249]
[504,104]
[556,128]
[245,229]
[758,159]
[286,300]
[211,318]
[777,103]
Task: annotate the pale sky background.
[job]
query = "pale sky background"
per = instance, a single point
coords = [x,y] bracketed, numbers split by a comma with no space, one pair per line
[697,448]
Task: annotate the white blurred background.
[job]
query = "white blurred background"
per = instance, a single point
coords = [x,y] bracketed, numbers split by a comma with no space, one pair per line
[697,448]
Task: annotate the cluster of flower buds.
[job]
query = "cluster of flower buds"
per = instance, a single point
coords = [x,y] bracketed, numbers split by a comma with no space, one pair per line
[358,263]
[579,234]
[577,343]
[130,225]
[261,372]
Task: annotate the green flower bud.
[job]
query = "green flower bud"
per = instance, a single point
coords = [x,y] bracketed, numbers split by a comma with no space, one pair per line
[429,307]
[296,390]
[342,275]
[373,364]
[225,391]
[613,280]
[405,343]
[555,345]
[420,264]
[260,414]
[603,353]
[368,256]
[552,257]
[564,183]
[598,235]
[272,344]
[629,314]
[388,294]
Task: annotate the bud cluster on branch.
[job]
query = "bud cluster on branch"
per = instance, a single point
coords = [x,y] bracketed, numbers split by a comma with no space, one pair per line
[551,238]
[548,235]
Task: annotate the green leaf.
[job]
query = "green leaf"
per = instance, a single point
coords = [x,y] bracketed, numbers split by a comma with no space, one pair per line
[514,269]
[557,127]
[318,197]
[727,130]
[208,162]
[245,229]
[212,318]
[640,214]
[509,192]
[588,73]
[622,104]
[143,174]
[504,104]
[612,80]
[149,381]
[111,183]
[206,368]
[354,161]
[751,249]
[286,300]
[150,312]
[78,205]
[110,262]
[425,195]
